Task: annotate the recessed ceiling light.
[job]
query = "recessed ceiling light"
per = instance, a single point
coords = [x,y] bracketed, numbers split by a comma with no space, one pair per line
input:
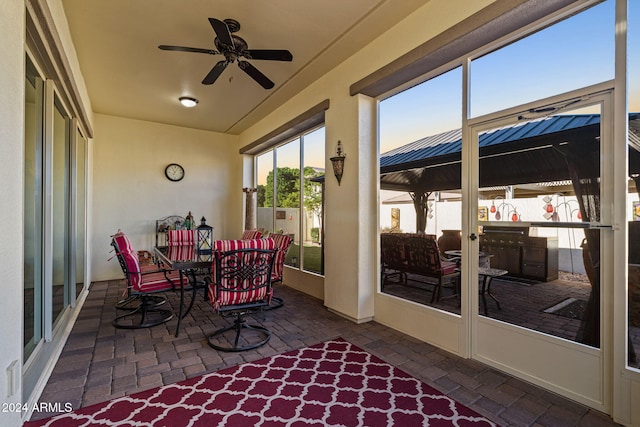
[188,102]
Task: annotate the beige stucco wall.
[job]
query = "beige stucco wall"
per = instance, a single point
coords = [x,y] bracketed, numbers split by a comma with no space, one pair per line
[351,222]
[130,190]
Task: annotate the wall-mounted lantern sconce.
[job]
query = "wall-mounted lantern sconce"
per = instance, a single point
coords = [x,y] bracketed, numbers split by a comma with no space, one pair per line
[338,162]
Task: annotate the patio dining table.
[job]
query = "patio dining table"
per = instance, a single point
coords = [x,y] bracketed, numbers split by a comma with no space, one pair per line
[187,261]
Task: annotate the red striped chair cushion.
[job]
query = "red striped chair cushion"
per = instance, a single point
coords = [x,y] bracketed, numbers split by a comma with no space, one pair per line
[251,234]
[133,268]
[122,241]
[144,278]
[148,268]
[123,244]
[282,243]
[448,267]
[232,245]
[157,282]
[148,278]
[181,237]
[230,298]
[235,298]
[150,281]
[181,252]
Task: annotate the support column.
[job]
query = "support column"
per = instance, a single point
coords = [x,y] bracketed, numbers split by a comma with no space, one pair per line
[251,209]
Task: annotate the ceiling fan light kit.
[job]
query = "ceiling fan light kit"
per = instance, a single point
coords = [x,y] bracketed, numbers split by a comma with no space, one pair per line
[234,49]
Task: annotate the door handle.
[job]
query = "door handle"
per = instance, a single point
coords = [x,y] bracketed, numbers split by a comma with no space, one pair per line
[473,236]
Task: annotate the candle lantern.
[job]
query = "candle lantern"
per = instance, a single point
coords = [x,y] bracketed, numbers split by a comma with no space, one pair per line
[204,234]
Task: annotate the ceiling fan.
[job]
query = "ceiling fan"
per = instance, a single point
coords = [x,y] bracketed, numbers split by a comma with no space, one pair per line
[234,48]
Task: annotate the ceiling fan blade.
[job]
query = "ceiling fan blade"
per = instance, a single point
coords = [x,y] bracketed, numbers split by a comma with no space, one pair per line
[188,49]
[215,73]
[269,54]
[255,74]
[222,31]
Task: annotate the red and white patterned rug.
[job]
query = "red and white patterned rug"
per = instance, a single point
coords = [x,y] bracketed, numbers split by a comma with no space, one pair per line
[334,383]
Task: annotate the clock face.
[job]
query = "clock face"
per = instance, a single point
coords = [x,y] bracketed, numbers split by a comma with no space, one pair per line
[174,172]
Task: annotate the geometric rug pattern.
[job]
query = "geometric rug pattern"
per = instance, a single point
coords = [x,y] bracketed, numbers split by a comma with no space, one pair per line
[334,383]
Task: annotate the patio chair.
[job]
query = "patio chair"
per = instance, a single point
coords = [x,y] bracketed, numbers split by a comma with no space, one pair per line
[251,234]
[282,243]
[392,256]
[172,222]
[143,286]
[123,244]
[240,284]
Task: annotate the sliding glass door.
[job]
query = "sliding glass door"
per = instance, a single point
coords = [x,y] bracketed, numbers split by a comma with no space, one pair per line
[33,210]
[80,220]
[60,280]
[54,254]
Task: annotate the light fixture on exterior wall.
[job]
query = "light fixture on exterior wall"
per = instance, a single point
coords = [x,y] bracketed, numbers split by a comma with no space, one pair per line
[188,101]
[338,162]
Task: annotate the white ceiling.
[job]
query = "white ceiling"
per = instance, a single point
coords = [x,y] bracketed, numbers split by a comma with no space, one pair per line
[127,75]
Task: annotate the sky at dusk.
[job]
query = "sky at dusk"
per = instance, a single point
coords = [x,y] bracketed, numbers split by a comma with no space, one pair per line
[569,55]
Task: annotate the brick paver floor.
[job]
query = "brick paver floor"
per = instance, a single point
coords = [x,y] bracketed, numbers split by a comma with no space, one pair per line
[100,362]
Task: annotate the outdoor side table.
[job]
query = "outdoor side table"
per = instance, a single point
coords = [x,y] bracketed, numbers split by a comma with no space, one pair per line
[487,276]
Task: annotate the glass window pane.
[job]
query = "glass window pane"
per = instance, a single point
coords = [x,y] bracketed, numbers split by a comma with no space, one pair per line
[80,210]
[549,276]
[60,199]
[313,248]
[264,177]
[287,212]
[32,210]
[420,178]
[571,54]
[633,210]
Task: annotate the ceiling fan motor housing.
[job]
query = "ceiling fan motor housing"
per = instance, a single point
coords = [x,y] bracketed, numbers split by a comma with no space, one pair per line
[231,53]
[232,25]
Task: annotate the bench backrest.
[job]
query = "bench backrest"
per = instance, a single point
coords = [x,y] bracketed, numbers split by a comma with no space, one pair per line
[423,256]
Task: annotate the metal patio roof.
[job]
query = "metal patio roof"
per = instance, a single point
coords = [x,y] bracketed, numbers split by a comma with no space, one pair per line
[451,142]
[524,153]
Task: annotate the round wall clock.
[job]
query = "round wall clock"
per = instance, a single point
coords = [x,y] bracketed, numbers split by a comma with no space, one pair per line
[174,172]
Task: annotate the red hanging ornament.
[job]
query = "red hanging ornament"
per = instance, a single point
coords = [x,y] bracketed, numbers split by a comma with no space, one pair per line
[579,216]
[515,217]
[492,209]
[549,208]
